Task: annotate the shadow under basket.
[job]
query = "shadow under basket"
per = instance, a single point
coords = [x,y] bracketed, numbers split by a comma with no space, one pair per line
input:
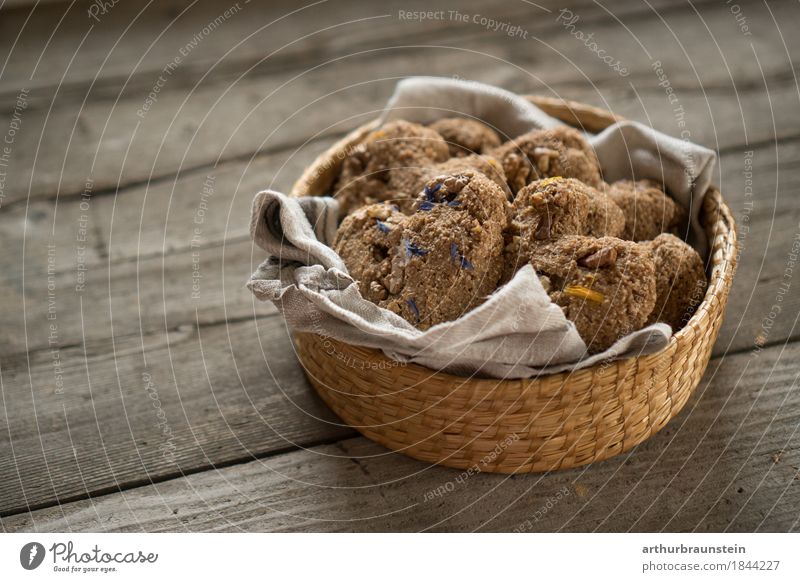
[551,422]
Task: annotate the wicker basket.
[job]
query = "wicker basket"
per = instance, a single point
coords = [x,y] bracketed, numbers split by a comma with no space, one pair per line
[551,422]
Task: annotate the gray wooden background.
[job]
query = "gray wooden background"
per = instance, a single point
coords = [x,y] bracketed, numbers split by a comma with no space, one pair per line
[142,387]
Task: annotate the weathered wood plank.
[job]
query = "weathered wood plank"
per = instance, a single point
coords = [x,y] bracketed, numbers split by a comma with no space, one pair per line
[225,120]
[203,286]
[729,462]
[291,34]
[163,301]
[82,420]
[206,38]
[11,4]
[159,218]
[178,199]
[58,269]
[171,308]
[167,293]
[154,309]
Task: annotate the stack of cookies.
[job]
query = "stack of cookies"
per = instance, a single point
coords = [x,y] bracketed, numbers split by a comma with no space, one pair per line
[436,218]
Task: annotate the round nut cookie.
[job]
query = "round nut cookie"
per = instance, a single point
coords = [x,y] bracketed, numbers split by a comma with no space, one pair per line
[366,240]
[450,257]
[546,153]
[605,286]
[547,209]
[466,136]
[680,280]
[365,171]
[648,210]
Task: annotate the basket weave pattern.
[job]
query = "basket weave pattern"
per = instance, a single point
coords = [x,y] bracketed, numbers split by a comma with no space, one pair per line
[552,422]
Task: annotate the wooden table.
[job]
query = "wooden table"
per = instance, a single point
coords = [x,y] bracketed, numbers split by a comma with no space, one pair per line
[142,386]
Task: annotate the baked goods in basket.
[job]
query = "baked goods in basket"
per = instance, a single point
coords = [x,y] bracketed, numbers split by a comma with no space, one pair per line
[680,280]
[411,181]
[548,209]
[459,215]
[449,402]
[437,263]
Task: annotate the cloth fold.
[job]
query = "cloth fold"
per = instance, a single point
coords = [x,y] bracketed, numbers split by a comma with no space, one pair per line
[517,332]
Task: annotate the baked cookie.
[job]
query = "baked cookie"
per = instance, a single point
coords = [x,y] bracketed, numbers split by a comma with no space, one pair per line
[366,241]
[648,210]
[680,280]
[605,286]
[466,136]
[547,209]
[364,178]
[436,264]
[546,153]
[451,250]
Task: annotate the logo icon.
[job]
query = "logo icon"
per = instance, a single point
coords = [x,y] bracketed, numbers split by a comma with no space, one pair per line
[31,555]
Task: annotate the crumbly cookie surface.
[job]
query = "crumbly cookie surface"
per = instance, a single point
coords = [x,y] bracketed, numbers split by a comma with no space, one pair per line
[366,241]
[648,210]
[605,286]
[547,153]
[398,145]
[436,264]
[680,280]
[465,137]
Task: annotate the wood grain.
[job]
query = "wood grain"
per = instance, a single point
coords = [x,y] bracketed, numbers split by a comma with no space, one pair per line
[116,413]
[249,446]
[166,316]
[189,128]
[729,461]
[293,36]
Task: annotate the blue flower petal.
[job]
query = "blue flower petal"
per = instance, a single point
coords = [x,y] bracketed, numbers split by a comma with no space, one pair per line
[429,192]
[434,189]
[455,255]
[413,305]
[382,226]
[414,250]
[453,252]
